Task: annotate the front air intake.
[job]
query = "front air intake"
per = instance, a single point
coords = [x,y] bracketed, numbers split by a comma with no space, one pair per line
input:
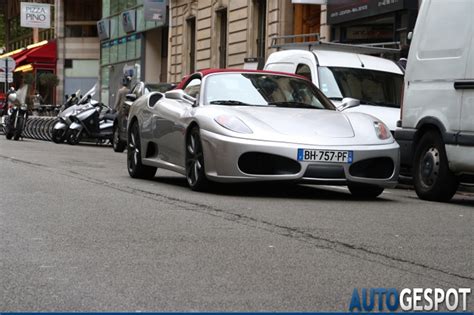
[258,163]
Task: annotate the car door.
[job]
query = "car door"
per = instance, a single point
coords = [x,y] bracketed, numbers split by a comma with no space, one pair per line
[169,123]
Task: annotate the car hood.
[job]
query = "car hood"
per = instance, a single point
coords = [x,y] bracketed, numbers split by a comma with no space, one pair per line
[388,115]
[305,126]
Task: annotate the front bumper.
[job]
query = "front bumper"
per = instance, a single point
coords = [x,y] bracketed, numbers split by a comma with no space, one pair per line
[221,155]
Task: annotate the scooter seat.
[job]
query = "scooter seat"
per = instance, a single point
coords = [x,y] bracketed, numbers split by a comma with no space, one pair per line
[109,116]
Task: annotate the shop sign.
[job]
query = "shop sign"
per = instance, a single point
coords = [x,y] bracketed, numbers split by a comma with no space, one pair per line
[155,10]
[129,21]
[347,10]
[103,29]
[35,15]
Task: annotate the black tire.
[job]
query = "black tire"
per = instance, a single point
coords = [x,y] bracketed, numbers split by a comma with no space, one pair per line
[118,144]
[58,135]
[73,136]
[8,135]
[195,171]
[432,177]
[135,167]
[19,129]
[364,191]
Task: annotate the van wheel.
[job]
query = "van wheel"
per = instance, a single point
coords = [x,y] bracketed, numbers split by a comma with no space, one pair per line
[432,177]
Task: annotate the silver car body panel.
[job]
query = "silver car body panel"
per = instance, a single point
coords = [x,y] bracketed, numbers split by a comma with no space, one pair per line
[279,131]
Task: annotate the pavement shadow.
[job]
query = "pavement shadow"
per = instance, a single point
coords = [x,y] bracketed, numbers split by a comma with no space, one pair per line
[269,190]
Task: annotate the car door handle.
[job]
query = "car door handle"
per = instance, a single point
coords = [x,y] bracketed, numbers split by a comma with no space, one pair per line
[464,84]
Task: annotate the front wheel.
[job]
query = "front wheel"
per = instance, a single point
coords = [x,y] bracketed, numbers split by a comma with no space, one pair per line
[117,144]
[73,137]
[58,135]
[365,191]
[134,159]
[195,172]
[18,129]
[432,177]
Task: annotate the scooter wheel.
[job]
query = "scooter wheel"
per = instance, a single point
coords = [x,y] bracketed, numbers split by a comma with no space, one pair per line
[8,135]
[73,137]
[58,135]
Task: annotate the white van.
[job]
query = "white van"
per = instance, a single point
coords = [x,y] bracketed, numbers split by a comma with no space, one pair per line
[437,122]
[376,82]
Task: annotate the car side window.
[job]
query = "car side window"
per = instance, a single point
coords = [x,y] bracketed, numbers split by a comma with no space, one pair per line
[193,87]
[304,71]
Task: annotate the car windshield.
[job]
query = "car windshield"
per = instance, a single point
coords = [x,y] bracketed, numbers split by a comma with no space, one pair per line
[369,86]
[263,89]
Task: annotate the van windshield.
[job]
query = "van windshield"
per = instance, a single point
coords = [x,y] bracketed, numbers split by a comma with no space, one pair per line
[369,86]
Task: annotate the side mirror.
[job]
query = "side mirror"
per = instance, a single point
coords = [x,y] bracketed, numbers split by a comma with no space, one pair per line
[348,102]
[180,95]
[131,97]
[409,36]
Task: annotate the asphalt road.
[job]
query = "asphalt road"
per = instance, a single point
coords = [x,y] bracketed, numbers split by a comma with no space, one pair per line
[78,234]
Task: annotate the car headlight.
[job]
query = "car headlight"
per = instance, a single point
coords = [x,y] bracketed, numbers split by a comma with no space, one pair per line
[233,123]
[382,130]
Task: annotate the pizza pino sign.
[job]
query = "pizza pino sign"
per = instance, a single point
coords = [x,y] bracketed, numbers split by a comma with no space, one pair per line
[36,15]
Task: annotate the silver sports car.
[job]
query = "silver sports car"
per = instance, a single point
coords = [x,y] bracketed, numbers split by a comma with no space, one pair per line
[243,126]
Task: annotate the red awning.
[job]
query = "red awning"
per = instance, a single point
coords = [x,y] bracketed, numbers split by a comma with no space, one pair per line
[44,54]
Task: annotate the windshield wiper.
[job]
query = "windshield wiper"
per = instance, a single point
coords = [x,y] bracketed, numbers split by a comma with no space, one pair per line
[293,105]
[227,102]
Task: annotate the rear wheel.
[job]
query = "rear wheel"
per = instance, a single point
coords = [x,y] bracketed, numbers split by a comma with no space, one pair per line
[195,172]
[8,135]
[365,191]
[432,177]
[134,160]
[73,136]
[117,143]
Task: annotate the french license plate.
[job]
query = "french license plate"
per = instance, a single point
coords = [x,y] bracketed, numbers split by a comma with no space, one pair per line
[330,156]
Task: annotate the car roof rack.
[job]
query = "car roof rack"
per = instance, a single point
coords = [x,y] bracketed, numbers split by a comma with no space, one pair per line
[314,41]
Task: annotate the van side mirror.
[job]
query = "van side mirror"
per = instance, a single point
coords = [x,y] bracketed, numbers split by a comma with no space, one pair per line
[348,102]
[180,95]
[131,97]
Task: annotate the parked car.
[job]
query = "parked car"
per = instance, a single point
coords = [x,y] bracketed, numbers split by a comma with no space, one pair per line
[437,123]
[119,140]
[376,82]
[244,126]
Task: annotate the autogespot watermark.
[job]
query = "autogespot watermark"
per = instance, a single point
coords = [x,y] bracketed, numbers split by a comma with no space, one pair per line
[409,300]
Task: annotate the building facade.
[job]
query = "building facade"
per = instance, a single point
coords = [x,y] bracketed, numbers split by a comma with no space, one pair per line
[73,46]
[134,42]
[223,33]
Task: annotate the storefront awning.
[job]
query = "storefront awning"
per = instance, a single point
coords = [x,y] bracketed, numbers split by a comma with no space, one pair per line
[42,53]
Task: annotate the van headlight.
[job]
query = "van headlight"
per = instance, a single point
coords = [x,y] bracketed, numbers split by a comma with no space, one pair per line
[381,130]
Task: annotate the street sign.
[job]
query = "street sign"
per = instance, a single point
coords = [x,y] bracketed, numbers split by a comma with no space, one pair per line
[11,64]
[10,77]
[35,15]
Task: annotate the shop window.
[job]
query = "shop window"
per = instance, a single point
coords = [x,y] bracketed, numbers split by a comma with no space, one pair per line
[222,25]
[260,7]
[191,24]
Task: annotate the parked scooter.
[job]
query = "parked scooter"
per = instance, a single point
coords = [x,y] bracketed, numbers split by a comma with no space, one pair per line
[60,128]
[73,106]
[95,121]
[16,117]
